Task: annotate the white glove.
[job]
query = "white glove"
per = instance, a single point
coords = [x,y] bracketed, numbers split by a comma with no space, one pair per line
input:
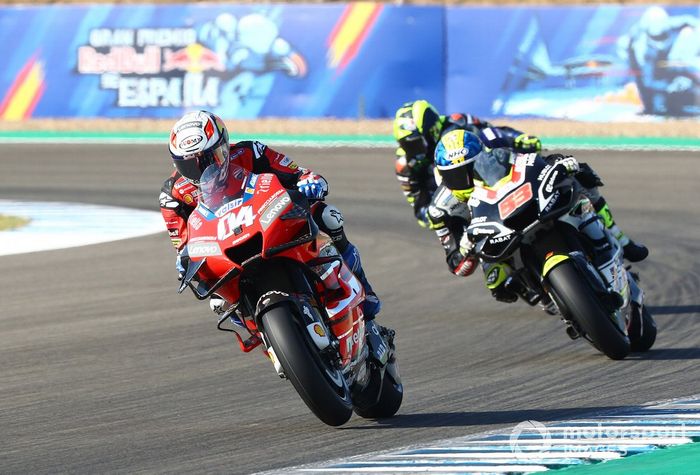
[313,186]
[181,262]
[466,247]
[570,164]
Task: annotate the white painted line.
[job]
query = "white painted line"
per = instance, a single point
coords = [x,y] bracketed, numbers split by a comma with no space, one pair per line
[622,441]
[443,469]
[504,456]
[534,447]
[59,225]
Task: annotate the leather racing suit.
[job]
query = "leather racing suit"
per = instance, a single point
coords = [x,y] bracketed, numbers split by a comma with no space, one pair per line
[179,197]
[433,204]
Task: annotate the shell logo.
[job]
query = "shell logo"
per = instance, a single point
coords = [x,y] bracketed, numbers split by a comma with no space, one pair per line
[318,329]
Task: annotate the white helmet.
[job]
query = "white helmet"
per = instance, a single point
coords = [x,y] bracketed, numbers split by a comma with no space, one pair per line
[197,140]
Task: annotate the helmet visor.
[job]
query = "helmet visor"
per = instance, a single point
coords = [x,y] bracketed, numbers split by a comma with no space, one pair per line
[458,178]
[192,166]
[414,145]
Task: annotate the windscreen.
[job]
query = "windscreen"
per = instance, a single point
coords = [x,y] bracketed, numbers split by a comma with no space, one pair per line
[493,165]
[221,185]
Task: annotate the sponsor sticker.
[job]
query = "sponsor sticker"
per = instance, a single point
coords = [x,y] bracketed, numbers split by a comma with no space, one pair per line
[265,182]
[196,124]
[274,209]
[195,222]
[190,141]
[203,249]
[240,239]
[231,205]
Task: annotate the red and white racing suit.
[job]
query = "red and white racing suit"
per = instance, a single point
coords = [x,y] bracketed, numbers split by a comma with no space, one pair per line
[179,197]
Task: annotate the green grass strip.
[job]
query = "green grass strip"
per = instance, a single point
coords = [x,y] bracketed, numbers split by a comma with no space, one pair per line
[677,459]
[319,140]
[656,143]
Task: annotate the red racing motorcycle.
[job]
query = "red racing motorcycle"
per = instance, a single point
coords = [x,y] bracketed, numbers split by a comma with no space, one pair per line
[255,244]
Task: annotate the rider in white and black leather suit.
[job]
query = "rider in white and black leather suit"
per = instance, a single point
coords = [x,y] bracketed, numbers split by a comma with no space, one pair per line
[417,129]
[454,159]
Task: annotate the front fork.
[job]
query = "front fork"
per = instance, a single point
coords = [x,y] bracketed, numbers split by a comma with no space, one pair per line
[310,319]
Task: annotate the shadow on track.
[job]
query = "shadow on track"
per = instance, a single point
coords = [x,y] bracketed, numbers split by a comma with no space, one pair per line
[666,354]
[674,309]
[466,419]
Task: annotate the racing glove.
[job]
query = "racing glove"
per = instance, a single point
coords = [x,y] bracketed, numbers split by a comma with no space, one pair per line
[313,186]
[460,264]
[527,143]
[569,163]
[181,262]
[587,177]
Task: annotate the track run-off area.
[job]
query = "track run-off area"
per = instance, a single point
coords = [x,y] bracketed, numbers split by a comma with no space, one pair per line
[105,368]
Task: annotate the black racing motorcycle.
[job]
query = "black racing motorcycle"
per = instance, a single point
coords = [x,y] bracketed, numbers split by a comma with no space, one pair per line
[535,216]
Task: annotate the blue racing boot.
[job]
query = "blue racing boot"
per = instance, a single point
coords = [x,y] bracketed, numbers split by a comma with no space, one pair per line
[372,304]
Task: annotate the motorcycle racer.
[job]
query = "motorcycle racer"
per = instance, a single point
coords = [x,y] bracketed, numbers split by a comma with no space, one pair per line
[417,128]
[455,155]
[200,139]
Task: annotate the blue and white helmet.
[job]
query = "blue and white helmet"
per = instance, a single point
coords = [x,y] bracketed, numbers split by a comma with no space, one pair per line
[455,155]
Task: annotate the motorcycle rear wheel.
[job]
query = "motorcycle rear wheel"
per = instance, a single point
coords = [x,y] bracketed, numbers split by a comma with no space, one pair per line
[321,386]
[583,306]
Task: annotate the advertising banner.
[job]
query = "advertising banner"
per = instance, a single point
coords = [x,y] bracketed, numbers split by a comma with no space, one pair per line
[596,63]
[352,60]
[243,61]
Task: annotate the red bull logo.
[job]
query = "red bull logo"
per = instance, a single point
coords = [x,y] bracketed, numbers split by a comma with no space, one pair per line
[193,58]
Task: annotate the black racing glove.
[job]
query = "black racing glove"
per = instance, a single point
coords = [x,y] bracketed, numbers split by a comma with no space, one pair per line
[587,177]
[527,143]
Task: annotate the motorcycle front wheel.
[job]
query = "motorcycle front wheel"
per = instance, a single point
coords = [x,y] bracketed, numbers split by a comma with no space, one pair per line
[642,329]
[577,299]
[390,398]
[320,385]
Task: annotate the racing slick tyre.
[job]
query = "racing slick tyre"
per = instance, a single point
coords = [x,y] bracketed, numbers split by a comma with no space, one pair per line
[320,385]
[390,398]
[642,329]
[583,306]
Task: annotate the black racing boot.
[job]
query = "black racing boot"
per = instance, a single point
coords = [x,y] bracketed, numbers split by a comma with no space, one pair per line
[633,252]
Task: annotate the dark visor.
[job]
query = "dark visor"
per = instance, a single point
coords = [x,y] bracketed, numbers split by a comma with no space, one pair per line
[192,165]
[460,178]
[414,145]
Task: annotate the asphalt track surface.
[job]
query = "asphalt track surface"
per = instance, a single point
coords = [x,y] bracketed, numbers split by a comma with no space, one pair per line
[105,368]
